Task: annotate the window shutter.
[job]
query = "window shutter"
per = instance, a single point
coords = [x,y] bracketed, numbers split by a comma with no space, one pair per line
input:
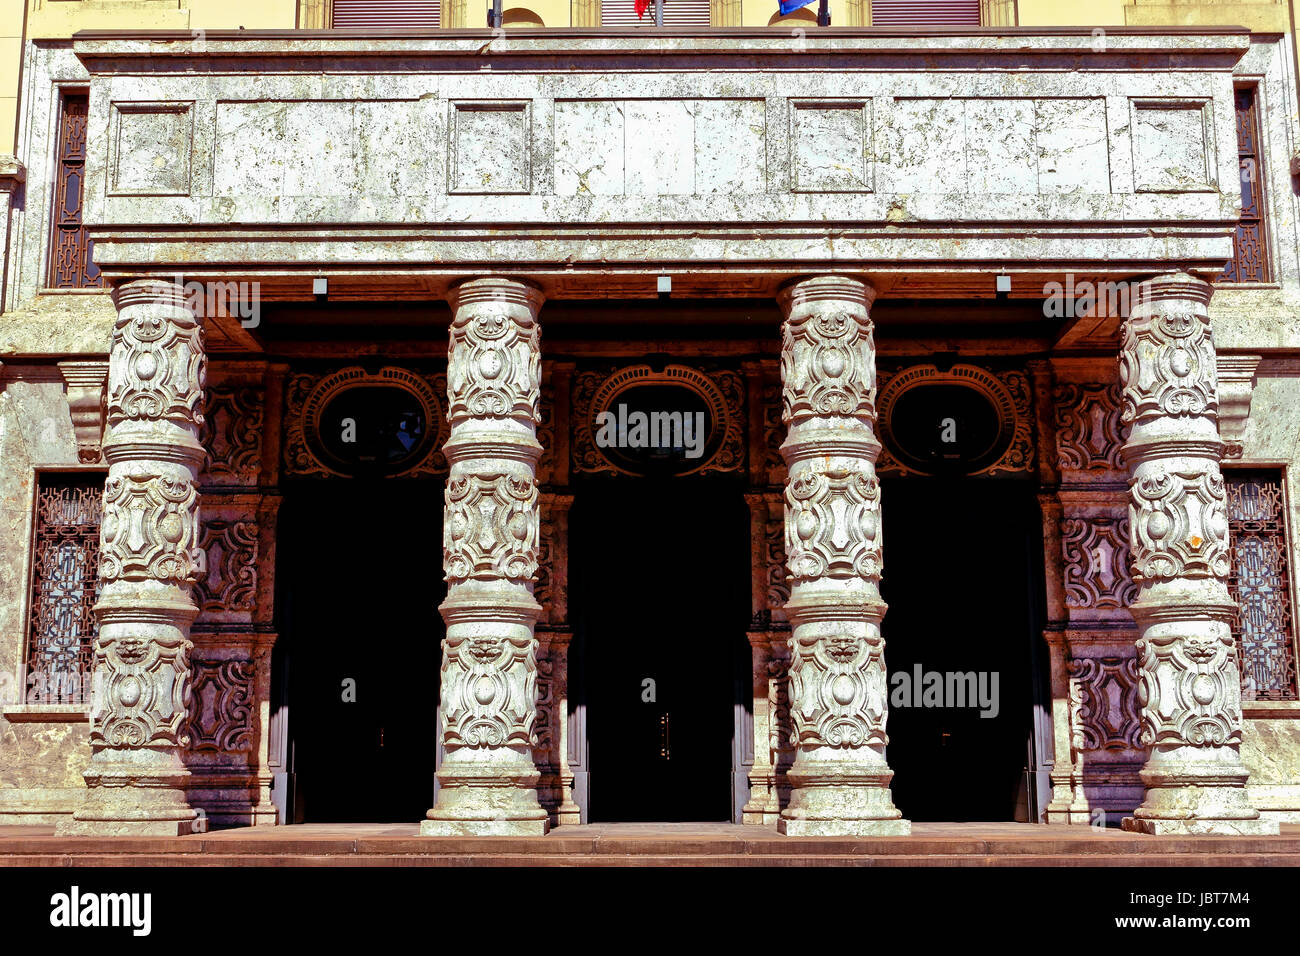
[925,13]
[387,14]
[677,13]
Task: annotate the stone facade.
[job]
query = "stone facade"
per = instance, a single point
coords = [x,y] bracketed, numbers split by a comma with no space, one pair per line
[771,236]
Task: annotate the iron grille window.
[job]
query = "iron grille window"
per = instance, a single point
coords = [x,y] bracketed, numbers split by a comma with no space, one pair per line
[1260,583]
[70,260]
[65,586]
[1249,252]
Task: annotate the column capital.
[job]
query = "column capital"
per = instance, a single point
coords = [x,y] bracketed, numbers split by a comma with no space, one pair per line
[809,292]
[522,293]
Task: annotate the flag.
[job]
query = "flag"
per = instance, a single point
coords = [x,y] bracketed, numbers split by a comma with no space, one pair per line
[642,5]
[787,6]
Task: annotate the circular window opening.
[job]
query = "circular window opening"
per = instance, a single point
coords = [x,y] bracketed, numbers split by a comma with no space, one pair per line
[657,430]
[373,430]
[946,429]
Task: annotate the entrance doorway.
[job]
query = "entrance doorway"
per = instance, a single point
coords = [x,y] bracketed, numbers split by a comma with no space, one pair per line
[660,592]
[359,573]
[963,568]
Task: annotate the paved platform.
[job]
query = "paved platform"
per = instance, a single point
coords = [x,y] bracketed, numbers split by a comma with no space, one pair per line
[650,844]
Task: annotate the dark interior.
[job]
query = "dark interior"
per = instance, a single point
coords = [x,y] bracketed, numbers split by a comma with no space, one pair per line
[659,574]
[359,598]
[962,558]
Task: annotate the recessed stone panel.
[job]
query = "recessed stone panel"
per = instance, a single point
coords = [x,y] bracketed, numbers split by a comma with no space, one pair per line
[830,145]
[663,147]
[1172,146]
[1073,152]
[149,148]
[489,147]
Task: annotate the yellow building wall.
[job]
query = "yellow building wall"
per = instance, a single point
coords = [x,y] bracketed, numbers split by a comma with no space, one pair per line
[11,54]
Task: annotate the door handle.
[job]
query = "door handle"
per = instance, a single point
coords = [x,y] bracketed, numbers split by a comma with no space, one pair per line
[665,741]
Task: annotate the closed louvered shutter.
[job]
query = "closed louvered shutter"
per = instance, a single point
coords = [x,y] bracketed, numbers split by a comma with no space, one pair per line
[386,14]
[677,13]
[924,13]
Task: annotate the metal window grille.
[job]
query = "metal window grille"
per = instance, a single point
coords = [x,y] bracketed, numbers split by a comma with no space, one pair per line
[1249,248]
[1260,582]
[65,586]
[71,252]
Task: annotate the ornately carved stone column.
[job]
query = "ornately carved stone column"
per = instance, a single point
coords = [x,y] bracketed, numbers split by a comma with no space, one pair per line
[149,559]
[838,691]
[1190,685]
[488,781]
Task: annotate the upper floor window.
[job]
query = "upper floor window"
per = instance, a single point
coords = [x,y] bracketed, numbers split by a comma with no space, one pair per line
[1260,582]
[1249,248]
[386,14]
[912,13]
[70,257]
[64,588]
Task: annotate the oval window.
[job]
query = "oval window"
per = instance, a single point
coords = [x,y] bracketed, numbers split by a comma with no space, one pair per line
[656,429]
[373,430]
[945,429]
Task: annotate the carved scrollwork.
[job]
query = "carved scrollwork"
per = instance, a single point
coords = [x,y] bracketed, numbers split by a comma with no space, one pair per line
[828,365]
[722,391]
[157,368]
[1096,569]
[231,555]
[1104,708]
[306,396]
[491,528]
[489,686]
[232,435]
[494,365]
[838,688]
[142,692]
[1190,690]
[221,710]
[1167,366]
[1179,524]
[780,734]
[832,526]
[1089,434]
[150,529]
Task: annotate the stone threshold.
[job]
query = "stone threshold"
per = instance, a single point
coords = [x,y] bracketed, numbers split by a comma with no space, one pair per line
[649,844]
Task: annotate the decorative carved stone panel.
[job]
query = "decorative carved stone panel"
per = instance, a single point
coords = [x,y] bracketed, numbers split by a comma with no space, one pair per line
[721,392]
[1096,568]
[222,705]
[1104,705]
[1089,434]
[232,435]
[230,584]
[309,395]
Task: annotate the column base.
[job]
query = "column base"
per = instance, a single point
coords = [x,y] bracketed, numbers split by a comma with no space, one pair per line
[857,828]
[463,828]
[1201,827]
[130,828]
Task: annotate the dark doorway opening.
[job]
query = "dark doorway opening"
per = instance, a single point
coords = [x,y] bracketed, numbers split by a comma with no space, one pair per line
[660,590]
[359,581]
[962,578]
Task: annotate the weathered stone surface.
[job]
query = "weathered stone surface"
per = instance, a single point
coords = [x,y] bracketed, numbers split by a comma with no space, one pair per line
[1188,668]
